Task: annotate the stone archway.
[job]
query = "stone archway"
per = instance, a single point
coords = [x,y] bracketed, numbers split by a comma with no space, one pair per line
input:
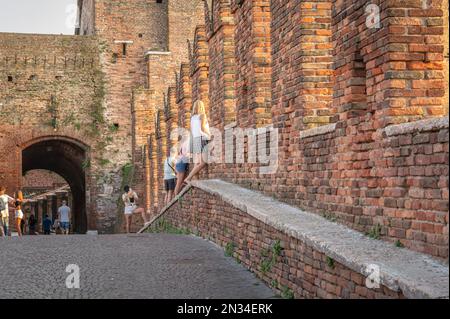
[66,158]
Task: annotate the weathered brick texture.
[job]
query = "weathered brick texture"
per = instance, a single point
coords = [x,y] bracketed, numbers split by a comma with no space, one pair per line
[299,267]
[322,72]
[41,180]
[329,62]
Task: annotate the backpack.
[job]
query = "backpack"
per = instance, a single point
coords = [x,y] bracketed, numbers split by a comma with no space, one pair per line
[2,204]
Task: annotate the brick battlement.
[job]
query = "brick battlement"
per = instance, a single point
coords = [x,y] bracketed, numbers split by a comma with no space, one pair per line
[48,51]
[74,62]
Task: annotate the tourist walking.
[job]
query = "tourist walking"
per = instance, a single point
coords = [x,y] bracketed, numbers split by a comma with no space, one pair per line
[4,211]
[200,138]
[22,226]
[170,176]
[18,212]
[182,164]
[129,199]
[47,225]
[64,217]
[57,226]
[32,224]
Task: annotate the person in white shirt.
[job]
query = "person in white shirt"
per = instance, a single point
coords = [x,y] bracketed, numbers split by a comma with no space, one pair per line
[64,217]
[201,137]
[4,211]
[170,177]
[129,199]
[19,213]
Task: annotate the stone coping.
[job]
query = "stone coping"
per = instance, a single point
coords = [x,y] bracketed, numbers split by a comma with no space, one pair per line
[415,274]
[431,124]
[157,53]
[320,130]
[165,209]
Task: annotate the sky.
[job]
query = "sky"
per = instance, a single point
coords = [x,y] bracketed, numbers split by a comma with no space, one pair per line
[38,16]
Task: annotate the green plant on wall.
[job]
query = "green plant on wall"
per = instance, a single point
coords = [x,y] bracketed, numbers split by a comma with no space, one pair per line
[269,257]
[164,226]
[330,262]
[103,162]
[113,128]
[399,244]
[375,232]
[52,108]
[97,109]
[287,293]
[86,164]
[229,249]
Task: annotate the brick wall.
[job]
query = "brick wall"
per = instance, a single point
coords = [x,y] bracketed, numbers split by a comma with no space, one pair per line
[331,63]
[51,92]
[298,268]
[42,179]
[221,43]
[445,9]
[86,17]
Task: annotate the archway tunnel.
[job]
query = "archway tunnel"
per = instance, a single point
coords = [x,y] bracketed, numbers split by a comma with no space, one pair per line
[66,159]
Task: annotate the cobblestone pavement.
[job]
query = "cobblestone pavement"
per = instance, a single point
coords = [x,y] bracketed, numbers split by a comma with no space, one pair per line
[121,266]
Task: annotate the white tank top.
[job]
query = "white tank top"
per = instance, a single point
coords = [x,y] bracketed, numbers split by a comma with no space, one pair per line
[196,126]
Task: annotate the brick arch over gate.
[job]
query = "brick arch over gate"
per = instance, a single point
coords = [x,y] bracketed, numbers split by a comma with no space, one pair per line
[66,157]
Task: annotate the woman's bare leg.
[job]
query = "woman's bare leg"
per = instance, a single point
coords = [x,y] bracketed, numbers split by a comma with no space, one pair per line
[198,167]
[142,212]
[180,180]
[166,199]
[169,196]
[128,222]
[19,231]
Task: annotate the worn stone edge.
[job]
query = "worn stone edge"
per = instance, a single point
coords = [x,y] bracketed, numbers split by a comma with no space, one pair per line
[320,130]
[431,124]
[165,209]
[390,279]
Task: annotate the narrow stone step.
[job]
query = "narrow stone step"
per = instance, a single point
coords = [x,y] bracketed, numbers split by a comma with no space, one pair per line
[165,209]
[416,275]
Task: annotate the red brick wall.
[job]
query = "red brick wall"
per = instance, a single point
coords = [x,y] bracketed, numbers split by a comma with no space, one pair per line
[299,267]
[184,96]
[199,63]
[50,89]
[86,18]
[42,179]
[221,44]
[329,66]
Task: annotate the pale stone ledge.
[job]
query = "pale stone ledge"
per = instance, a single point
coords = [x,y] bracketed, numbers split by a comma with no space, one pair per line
[157,53]
[123,42]
[416,275]
[320,130]
[431,124]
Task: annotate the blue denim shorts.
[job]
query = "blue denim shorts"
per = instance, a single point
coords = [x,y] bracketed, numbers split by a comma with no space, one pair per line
[182,167]
[65,225]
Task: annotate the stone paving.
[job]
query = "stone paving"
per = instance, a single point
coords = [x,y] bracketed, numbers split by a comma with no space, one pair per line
[123,266]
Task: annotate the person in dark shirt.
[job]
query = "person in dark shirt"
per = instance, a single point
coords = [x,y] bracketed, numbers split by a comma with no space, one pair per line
[47,224]
[22,226]
[32,225]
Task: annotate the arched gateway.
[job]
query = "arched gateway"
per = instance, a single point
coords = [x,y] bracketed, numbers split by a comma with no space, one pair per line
[66,157]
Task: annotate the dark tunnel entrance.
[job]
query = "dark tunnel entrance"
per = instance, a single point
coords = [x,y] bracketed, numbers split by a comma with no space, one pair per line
[66,159]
